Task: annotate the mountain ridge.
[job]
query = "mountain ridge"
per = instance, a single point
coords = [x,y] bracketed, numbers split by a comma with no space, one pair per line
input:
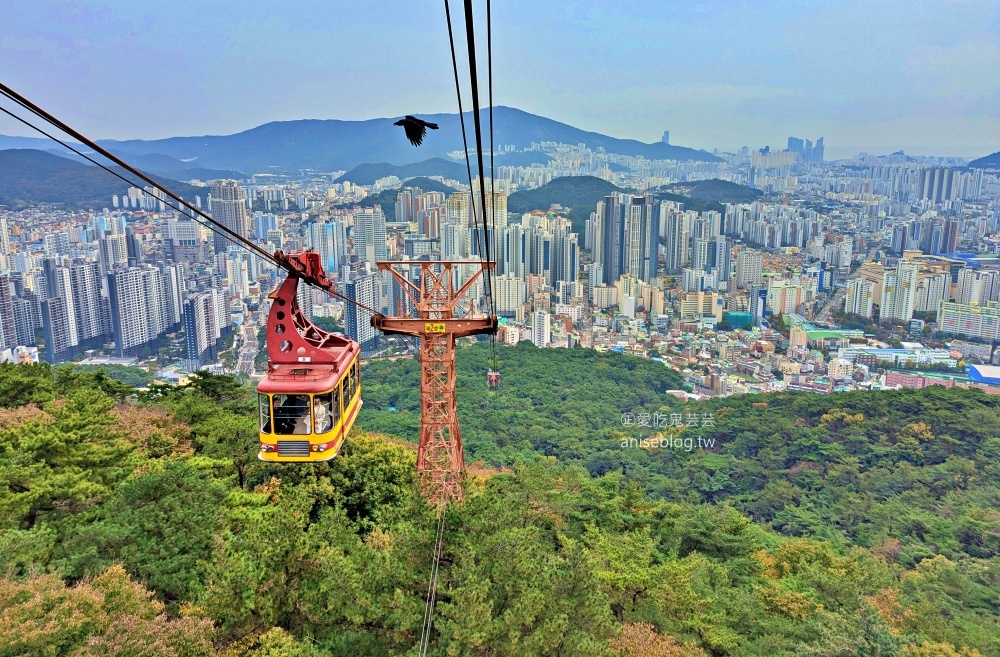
[991,161]
[335,144]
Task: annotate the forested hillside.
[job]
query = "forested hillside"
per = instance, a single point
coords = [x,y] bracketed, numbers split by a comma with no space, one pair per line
[147,526]
[30,177]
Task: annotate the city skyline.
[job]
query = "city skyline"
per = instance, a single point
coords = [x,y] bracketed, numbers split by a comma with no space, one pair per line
[920,78]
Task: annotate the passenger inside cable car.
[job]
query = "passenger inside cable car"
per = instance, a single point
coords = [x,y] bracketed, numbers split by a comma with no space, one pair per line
[322,415]
[291,414]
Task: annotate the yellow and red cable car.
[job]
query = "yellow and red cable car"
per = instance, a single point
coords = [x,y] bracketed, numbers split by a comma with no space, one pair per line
[311,394]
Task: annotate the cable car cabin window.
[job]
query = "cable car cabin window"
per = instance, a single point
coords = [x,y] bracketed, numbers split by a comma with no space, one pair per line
[347,393]
[265,413]
[324,416]
[291,414]
[352,385]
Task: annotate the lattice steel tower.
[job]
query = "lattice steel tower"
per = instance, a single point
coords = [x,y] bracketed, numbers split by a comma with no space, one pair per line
[440,459]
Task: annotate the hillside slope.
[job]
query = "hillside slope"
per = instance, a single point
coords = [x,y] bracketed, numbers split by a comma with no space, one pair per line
[30,176]
[991,161]
[794,462]
[157,529]
[579,193]
[715,190]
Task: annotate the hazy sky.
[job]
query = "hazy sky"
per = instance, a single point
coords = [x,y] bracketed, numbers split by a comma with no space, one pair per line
[872,75]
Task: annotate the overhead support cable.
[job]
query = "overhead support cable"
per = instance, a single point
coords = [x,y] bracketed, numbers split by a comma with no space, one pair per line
[474,77]
[188,209]
[461,119]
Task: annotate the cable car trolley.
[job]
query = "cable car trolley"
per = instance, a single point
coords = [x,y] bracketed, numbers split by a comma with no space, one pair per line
[311,394]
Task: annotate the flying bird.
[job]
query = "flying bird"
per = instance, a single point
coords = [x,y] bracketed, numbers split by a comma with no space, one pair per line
[415,128]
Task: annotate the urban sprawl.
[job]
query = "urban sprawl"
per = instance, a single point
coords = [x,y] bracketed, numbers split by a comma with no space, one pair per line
[874,272]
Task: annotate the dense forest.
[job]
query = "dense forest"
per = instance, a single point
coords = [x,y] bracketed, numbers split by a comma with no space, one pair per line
[842,525]
[716,190]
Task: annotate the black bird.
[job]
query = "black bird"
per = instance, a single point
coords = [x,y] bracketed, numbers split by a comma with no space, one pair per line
[415,128]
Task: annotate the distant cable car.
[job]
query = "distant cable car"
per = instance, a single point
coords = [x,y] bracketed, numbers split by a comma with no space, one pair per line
[311,394]
[493,379]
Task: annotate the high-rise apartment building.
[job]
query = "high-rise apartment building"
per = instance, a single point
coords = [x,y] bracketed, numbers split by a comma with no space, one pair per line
[363,290]
[24,322]
[328,239]
[456,242]
[970,320]
[494,209]
[541,328]
[8,332]
[113,251]
[59,289]
[369,235]
[978,286]
[55,244]
[201,327]
[806,149]
[749,268]
[4,236]
[899,292]
[173,279]
[932,289]
[626,234]
[859,297]
[228,206]
[138,315]
[565,256]
[181,240]
[60,337]
[510,293]
[676,233]
[937,184]
[457,209]
[607,251]
[88,307]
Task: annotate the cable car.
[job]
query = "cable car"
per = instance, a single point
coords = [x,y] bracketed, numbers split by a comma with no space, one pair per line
[493,378]
[311,394]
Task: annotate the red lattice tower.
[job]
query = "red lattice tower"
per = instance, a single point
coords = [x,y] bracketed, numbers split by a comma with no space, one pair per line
[440,459]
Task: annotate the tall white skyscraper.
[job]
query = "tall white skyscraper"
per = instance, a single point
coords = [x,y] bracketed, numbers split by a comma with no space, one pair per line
[113,251]
[509,292]
[362,289]
[138,315]
[228,206]
[749,268]
[369,235]
[675,228]
[327,238]
[4,236]
[899,292]
[88,305]
[541,328]
[456,242]
[859,297]
[8,334]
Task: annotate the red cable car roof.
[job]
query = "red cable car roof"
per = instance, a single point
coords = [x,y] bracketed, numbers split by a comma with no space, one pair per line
[301,356]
